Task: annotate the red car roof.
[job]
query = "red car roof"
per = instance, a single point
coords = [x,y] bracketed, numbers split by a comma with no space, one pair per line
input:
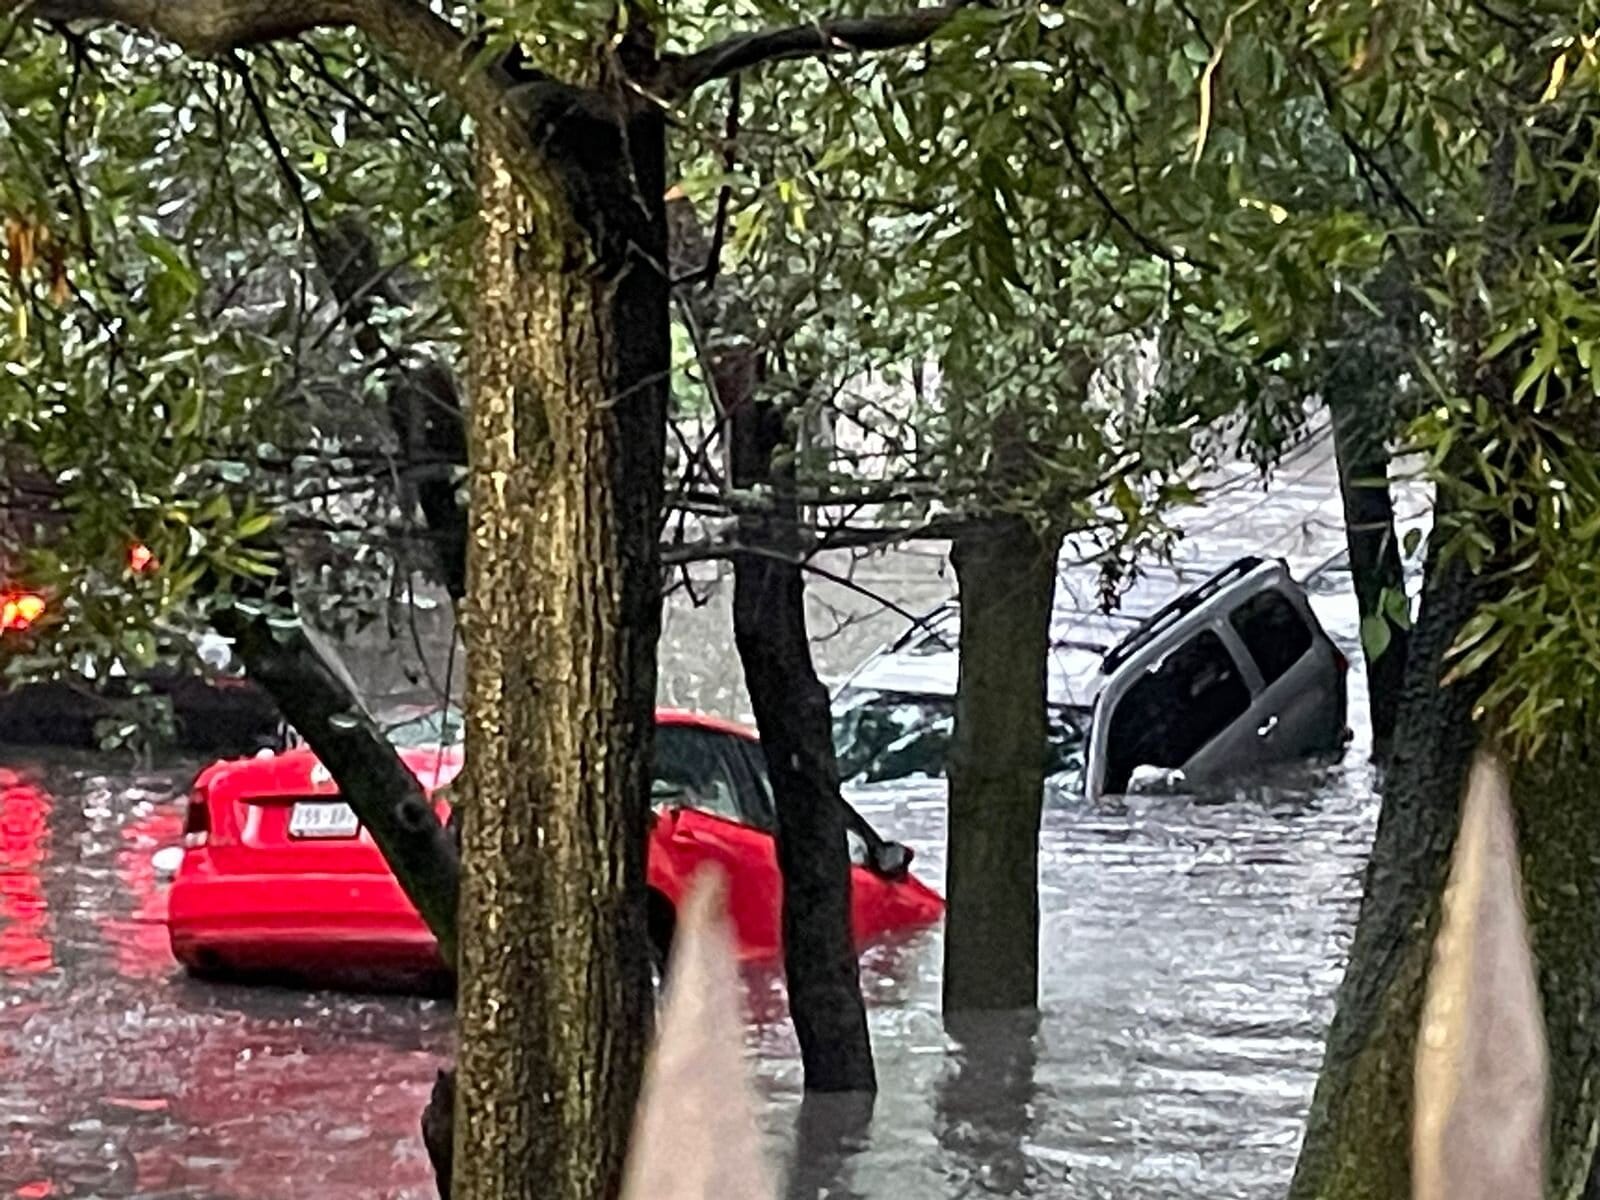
[297,772]
[682,716]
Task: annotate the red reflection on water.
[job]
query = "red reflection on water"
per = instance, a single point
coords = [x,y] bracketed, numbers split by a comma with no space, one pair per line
[176,1094]
[240,1123]
[24,1166]
[138,941]
[24,810]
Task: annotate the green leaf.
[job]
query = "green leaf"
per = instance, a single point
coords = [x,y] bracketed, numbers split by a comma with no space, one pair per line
[1543,359]
[1396,606]
[1498,345]
[1475,659]
[255,526]
[1375,636]
[140,645]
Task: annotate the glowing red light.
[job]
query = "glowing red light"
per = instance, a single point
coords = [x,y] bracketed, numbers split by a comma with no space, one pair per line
[139,557]
[18,610]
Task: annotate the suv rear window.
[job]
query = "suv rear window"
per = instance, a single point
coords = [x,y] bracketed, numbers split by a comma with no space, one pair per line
[1273,630]
[1165,718]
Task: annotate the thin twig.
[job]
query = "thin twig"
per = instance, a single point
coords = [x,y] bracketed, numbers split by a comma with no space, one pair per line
[707,275]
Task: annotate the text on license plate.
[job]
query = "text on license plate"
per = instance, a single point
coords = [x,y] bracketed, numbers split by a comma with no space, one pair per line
[323,821]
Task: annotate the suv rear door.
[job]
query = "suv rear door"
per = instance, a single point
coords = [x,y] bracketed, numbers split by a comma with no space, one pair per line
[1182,712]
[1300,708]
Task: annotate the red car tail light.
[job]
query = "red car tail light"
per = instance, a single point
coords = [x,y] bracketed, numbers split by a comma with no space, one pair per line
[196,822]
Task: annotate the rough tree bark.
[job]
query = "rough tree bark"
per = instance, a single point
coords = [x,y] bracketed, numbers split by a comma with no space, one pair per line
[570,359]
[1006,574]
[1358,1136]
[1560,840]
[795,721]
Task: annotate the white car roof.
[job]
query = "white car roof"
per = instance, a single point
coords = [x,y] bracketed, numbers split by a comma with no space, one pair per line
[925,662]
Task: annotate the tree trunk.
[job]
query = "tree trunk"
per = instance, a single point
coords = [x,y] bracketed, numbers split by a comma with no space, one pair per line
[1357,1144]
[570,360]
[830,1130]
[987,1107]
[439,1130]
[793,715]
[372,779]
[1560,841]
[1357,388]
[1358,1135]
[1006,574]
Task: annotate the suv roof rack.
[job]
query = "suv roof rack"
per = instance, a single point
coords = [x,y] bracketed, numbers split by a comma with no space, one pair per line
[1164,616]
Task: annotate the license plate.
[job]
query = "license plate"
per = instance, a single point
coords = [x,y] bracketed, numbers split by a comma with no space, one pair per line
[323,821]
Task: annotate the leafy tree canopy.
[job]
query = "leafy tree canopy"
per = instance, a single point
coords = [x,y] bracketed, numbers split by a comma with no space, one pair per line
[925,246]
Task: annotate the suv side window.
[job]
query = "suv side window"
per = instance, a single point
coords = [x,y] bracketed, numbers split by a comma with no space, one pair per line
[1273,630]
[1165,718]
[692,769]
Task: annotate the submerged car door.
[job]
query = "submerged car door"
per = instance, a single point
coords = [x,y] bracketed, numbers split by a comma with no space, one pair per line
[878,904]
[1184,711]
[1300,707]
[720,820]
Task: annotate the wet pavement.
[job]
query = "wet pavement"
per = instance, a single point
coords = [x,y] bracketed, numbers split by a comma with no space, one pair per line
[1190,951]
[120,1077]
[1191,946]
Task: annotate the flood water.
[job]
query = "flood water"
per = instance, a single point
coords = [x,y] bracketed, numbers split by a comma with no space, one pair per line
[1191,946]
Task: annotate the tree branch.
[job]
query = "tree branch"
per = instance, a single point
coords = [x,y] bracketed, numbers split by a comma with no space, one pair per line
[315,696]
[212,27]
[706,276]
[816,39]
[424,401]
[530,117]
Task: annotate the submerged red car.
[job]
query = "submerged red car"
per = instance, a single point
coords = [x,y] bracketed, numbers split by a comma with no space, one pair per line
[278,878]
